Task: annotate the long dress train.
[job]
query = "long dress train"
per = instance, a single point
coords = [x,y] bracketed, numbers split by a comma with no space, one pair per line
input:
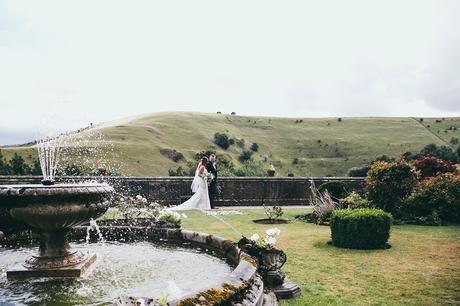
[200,200]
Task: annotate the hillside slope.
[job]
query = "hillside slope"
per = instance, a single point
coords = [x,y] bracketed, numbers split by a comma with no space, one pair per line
[323,146]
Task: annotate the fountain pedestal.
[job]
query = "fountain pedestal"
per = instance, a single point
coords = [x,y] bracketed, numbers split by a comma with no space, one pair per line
[52,210]
[55,259]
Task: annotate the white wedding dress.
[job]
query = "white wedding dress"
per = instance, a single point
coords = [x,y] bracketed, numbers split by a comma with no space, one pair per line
[200,198]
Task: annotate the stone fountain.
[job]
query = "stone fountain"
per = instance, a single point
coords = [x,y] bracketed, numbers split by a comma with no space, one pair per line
[51,210]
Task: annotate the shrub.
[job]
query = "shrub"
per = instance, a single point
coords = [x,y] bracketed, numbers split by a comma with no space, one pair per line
[358,171]
[363,228]
[441,152]
[384,157]
[251,168]
[337,189]
[436,197]
[432,166]
[323,205]
[274,212]
[245,156]
[172,154]
[295,161]
[389,184]
[4,166]
[18,166]
[221,140]
[254,147]
[354,201]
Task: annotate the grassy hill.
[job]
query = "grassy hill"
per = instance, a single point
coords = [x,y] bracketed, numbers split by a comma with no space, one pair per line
[323,146]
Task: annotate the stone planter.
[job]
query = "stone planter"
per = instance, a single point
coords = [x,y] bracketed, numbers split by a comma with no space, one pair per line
[270,263]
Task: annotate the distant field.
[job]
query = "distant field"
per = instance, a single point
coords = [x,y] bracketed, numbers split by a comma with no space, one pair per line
[323,146]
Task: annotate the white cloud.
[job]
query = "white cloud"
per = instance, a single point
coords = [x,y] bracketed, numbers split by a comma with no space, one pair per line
[100,60]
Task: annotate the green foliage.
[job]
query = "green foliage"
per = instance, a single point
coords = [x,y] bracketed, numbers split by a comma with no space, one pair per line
[441,152]
[132,207]
[4,166]
[205,153]
[221,140]
[354,201]
[384,157]
[274,212]
[74,170]
[254,147]
[337,189]
[172,217]
[360,171]
[363,228]
[18,166]
[435,200]
[251,168]
[245,156]
[389,184]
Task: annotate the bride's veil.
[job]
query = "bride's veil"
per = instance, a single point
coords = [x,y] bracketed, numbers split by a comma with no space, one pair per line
[196,179]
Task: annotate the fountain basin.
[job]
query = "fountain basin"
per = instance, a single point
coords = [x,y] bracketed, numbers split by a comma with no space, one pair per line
[233,278]
[51,211]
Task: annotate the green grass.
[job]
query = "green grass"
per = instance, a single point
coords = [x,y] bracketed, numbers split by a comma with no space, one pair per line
[323,146]
[421,268]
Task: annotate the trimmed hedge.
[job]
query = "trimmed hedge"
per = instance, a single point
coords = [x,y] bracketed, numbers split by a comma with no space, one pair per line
[363,228]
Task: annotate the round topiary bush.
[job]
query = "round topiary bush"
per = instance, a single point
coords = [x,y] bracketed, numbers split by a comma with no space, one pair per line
[363,228]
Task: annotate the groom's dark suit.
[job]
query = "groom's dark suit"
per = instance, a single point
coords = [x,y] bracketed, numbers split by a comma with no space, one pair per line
[212,190]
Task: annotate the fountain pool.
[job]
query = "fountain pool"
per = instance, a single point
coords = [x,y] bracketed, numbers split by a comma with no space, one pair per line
[135,269]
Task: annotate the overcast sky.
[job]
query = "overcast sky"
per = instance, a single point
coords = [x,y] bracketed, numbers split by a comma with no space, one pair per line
[91,61]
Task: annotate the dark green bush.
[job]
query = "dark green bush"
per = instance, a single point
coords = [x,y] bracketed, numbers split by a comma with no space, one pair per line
[245,156]
[337,189]
[358,171]
[389,184]
[437,198]
[363,228]
[221,140]
[254,147]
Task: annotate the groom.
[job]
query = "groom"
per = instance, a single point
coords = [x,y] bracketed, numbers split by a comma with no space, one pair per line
[212,168]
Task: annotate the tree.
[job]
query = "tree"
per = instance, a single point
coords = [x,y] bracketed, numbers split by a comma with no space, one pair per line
[245,156]
[4,167]
[254,147]
[441,152]
[36,168]
[18,165]
[221,140]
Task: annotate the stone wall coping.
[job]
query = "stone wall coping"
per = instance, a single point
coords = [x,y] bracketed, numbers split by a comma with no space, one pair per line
[179,178]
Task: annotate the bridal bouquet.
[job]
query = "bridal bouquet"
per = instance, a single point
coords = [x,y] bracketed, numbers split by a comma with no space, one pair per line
[209,177]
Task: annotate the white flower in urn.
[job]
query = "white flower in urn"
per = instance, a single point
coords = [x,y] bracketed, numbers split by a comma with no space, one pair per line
[270,241]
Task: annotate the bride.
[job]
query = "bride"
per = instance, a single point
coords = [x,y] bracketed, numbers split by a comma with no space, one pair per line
[200,200]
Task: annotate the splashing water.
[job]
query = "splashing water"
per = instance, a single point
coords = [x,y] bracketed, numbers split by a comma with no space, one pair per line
[49,153]
[223,221]
[94,227]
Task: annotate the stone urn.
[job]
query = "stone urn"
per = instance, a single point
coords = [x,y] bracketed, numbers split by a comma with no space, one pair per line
[271,260]
[271,171]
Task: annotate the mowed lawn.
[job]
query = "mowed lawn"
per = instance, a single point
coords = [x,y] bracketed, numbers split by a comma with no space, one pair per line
[421,268]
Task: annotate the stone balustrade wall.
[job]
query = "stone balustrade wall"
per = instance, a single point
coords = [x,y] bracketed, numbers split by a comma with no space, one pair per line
[234,191]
